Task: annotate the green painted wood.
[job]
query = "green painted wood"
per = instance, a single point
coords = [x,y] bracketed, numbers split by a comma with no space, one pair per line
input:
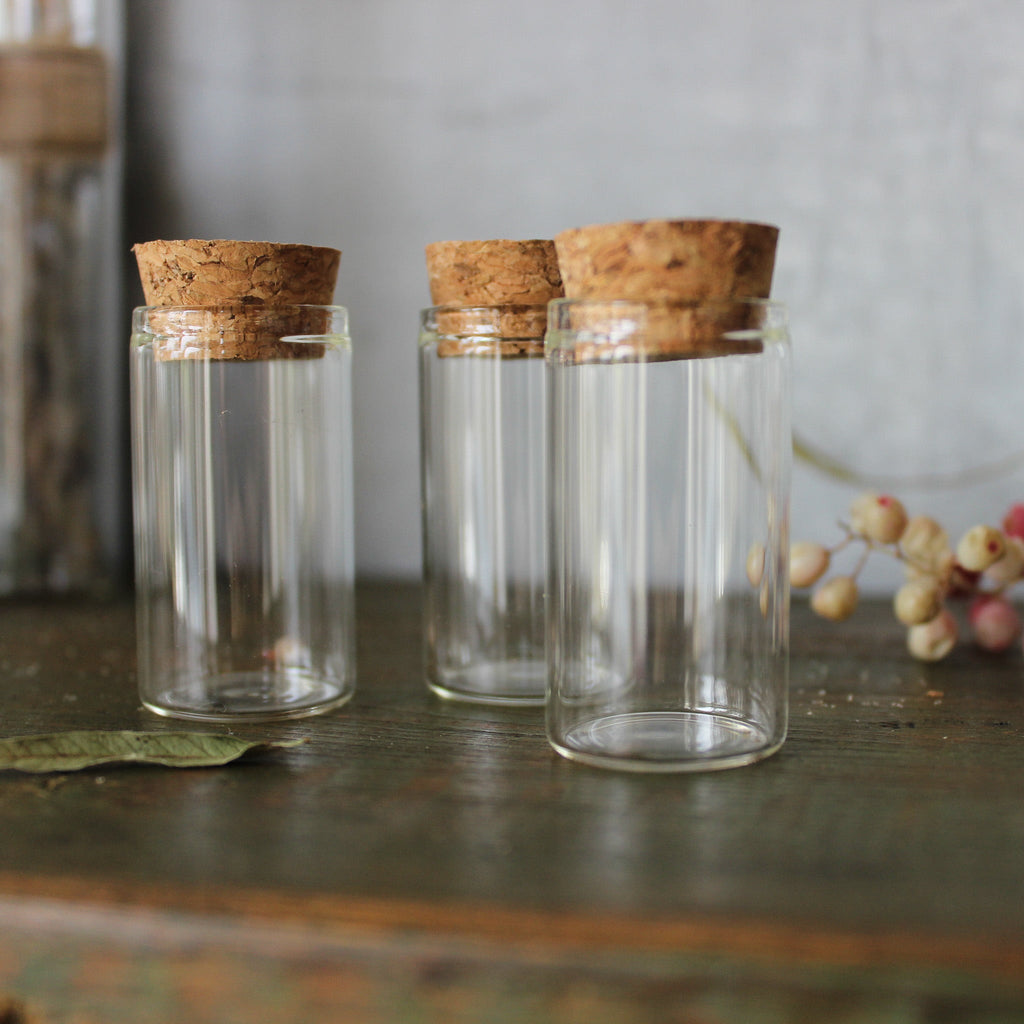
[428,861]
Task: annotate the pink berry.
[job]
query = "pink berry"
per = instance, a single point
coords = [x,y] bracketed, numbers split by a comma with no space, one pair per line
[932,641]
[962,582]
[1013,521]
[994,622]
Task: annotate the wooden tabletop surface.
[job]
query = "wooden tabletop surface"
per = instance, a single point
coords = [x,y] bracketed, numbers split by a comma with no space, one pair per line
[423,861]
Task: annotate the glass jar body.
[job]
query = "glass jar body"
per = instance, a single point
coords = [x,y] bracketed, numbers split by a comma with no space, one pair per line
[669,492]
[243,518]
[482,463]
[63,507]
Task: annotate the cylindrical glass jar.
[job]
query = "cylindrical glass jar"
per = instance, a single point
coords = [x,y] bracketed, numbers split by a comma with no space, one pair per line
[669,476]
[63,513]
[242,455]
[482,436]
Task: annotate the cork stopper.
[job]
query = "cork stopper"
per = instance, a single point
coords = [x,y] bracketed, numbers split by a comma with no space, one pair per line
[54,101]
[668,260]
[495,272]
[673,266]
[246,289]
[503,287]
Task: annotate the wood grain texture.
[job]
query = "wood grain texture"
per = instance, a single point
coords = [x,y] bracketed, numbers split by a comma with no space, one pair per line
[417,860]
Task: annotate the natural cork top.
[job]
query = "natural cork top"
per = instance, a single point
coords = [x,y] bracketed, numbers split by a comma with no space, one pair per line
[671,266]
[240,284]
[201,272]
[495,272]
[54,99]
[668,260]
[519,276]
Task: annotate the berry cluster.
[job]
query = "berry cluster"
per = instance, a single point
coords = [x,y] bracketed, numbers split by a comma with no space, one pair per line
[981,569]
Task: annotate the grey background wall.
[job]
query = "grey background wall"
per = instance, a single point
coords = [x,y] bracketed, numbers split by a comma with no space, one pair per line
[884,137]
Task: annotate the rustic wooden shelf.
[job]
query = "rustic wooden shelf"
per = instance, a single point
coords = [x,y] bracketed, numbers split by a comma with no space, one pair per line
[423,861]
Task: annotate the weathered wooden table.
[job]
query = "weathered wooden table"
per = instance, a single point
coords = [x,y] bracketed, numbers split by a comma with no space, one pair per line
[419,861]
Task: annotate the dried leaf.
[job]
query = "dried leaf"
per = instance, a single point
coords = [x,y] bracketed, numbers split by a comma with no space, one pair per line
[71,751]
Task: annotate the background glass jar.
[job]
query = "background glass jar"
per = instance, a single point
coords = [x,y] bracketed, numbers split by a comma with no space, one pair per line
[482,436]
[63,507]
[669,495]
[242,454]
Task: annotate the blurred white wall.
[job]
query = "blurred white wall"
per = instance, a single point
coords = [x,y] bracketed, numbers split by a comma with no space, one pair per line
[884,137]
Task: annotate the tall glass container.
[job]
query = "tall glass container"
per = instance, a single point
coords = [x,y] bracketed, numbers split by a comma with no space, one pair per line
[482,435]
[62,493]
[242,450]
[669,494]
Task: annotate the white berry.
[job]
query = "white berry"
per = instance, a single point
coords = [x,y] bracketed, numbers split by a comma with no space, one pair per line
[917,601]
[926,544]
[835,599]
[980,547]
[879,517]
[755,564]
[932,641]
[1010,567]
[808,562]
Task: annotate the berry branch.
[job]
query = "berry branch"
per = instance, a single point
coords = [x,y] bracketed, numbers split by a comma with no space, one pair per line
[985,564]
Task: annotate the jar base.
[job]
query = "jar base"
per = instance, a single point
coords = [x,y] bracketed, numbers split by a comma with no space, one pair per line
[666,741]
[250,697]
[511,682]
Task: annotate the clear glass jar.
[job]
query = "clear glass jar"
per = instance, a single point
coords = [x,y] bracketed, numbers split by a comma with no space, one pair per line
[669,493]
[242,454]
[63,521]
[484,561]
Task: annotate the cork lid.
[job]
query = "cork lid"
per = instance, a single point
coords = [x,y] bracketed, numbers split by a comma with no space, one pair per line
[668,260]
[248,291]
[519,276]
[687,272]
[54,100]
[494,272]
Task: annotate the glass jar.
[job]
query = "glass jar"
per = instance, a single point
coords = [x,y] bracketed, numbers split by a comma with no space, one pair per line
[242,454]
[63,522]
[482,436]
[669,493]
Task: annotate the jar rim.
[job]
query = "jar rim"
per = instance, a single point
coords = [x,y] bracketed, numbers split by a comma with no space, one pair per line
[240,331]
[251,307]
[144,318]
[712,303]
[503,321]
[602,330]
